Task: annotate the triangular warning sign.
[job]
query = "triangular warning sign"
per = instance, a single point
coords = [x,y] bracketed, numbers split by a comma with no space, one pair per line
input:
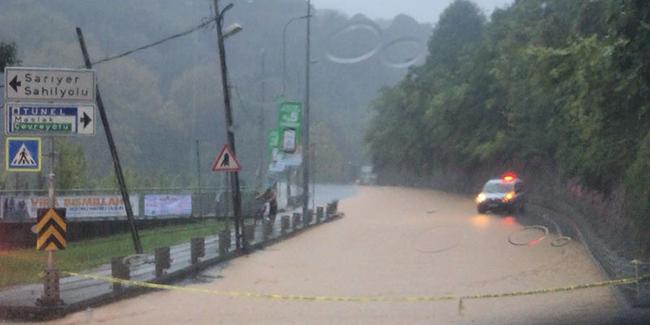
[226,161]
[23,158]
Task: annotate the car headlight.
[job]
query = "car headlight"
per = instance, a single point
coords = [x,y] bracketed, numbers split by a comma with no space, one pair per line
[509,196]
[480,198]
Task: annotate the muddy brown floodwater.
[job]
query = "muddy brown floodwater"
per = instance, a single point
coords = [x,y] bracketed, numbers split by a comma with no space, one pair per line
[392,242]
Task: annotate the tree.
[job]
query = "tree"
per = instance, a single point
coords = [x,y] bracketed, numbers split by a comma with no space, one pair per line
[563,85]
[8,55]
[70,169]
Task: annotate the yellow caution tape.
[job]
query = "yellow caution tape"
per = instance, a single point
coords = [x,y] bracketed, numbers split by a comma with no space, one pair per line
[409,299]
[258,295]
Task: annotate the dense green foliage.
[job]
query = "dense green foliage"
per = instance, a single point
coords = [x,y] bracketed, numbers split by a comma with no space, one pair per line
[7,55]
[553,83]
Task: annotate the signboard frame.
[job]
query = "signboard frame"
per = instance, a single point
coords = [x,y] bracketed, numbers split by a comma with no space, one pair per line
[11,82]
[79,107]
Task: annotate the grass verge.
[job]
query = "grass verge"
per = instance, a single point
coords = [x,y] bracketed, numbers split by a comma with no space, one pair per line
[20,266]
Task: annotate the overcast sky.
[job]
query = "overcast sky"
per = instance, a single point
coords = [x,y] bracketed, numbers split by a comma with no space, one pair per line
[422,10]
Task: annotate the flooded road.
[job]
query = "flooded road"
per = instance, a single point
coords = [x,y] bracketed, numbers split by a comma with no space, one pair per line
[391,242]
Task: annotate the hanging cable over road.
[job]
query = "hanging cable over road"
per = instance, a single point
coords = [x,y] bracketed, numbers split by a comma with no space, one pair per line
[206,22]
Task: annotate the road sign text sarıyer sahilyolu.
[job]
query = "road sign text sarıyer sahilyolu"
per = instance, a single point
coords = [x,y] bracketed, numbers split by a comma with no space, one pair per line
[55,91]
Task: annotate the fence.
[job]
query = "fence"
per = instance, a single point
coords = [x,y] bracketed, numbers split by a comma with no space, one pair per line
[147,203]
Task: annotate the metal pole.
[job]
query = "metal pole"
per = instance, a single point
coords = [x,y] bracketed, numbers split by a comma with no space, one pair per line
[262,135]
[111,145]
[284,53]
[288,185]
[313,177]
[305,132]
[51,198]
[51,293]
[198,177]
[284,58]
[229,121]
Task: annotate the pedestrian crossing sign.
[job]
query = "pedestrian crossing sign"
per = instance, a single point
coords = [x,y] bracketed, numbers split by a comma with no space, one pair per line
[23,154]
[226,161]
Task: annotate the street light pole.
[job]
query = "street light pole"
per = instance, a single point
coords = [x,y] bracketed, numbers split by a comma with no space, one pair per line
[262,129]
[234,176]
[305,129]
[198,177]
[284,52]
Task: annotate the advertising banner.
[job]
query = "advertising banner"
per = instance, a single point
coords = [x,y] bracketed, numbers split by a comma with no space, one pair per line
[17,208]
[290,125]
[167,205]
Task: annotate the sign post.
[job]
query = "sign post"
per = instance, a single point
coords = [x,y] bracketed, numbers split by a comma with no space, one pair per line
[51,231]
[46,102]
[289,140]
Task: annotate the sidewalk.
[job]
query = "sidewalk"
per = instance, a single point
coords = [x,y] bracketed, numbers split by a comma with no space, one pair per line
[78,293]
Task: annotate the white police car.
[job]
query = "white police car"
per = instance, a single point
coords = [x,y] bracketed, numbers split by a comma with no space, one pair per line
[502,194]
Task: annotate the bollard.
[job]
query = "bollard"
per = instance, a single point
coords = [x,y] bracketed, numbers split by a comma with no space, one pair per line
[641,287]
[249,233]
[224,242]
[284,225]
[119,270]
[310,216]
[335,207]
[197,249]
[295,221]
[162,260]
[267,229]
[319,214]
[51,293]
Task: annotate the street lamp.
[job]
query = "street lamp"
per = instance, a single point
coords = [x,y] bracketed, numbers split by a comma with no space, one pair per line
[228,112]
[284,52]
[305,128]
[232,30]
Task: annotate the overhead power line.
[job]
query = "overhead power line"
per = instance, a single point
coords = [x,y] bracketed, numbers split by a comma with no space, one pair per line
[204,24]
[156,43]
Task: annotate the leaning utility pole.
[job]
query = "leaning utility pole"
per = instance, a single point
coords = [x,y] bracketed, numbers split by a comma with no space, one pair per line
[111,145]
[234,176]
[305,129]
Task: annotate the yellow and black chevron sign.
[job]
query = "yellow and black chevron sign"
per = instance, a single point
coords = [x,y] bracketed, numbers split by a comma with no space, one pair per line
[51,228]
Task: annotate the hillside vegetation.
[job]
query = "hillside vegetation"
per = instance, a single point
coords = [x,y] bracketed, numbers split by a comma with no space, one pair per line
[542,85]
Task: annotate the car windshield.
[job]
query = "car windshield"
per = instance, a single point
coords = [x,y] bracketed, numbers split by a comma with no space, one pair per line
[498,188]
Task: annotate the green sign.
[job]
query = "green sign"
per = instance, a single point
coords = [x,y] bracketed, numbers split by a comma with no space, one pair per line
[44,127]
[290,115]
[289,124]
[274,139]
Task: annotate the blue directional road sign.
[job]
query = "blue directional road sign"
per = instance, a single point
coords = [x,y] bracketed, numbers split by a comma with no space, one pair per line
[23,155]
[42,119]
